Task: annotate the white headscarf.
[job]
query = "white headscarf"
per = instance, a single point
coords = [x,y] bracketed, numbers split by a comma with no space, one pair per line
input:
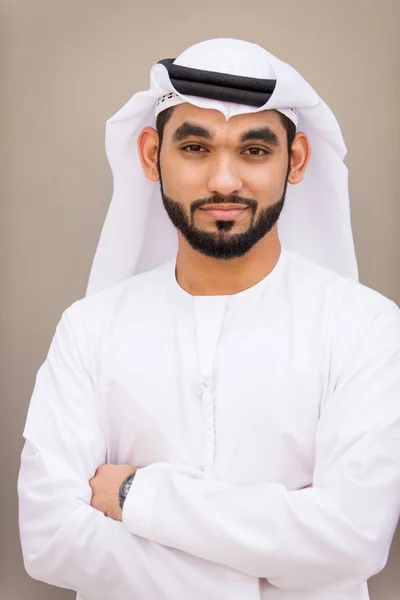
[315,222]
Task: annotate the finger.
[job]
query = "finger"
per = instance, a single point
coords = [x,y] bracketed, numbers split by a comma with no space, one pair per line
[93,483]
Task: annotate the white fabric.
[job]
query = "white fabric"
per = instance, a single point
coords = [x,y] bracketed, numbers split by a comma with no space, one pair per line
[230,405]
[172,99]
[315,222]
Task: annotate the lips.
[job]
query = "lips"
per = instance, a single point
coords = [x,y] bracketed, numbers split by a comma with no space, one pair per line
[224,207]
[225,212]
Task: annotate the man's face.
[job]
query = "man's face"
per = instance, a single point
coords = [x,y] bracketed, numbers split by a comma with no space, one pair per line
[223,182]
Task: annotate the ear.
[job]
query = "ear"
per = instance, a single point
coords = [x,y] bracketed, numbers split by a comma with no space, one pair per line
[300,155]
[148,150]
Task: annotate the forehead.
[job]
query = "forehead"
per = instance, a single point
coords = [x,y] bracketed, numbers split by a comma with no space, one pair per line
[215,121]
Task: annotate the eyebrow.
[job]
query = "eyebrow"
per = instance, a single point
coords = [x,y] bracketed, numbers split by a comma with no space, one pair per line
[187,129]
[264,134]
[191,129]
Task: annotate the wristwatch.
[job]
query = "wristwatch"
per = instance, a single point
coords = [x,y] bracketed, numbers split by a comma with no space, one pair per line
[124,488]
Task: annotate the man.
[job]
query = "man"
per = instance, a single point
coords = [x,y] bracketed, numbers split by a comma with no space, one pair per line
[220,420]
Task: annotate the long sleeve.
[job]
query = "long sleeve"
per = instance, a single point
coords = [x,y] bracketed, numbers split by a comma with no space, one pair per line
[65,541]
[334,535]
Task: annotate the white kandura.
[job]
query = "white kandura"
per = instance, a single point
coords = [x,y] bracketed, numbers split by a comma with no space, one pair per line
[232,405]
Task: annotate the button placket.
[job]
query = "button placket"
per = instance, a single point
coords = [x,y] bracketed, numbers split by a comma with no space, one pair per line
[209,317]
[208,425]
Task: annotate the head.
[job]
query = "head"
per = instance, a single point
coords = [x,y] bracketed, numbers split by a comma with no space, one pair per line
[223,182]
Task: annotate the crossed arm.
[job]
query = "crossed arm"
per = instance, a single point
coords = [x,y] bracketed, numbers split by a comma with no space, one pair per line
[335,535]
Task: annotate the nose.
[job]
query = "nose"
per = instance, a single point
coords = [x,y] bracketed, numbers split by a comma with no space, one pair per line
[224,177]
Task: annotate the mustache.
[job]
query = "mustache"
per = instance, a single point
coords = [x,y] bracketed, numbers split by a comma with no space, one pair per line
[218,199]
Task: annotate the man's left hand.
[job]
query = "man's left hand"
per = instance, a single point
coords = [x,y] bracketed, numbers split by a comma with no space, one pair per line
[105,489]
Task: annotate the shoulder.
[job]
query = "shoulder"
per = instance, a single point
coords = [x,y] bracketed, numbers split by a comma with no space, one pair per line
[354,319]
[359,325]
[342,295]
[93,313]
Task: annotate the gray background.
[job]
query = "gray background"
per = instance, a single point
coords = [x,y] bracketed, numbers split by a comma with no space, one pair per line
[69,65]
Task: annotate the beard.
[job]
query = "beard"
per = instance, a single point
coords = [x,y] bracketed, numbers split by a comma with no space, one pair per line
[221,244]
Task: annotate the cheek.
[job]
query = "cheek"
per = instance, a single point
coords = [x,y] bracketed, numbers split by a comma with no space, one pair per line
[266,182]
[183,180]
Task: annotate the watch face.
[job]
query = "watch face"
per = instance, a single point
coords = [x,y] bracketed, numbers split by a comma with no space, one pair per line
[124,489]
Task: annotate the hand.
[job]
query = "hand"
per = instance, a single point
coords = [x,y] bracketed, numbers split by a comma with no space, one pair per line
[105,489]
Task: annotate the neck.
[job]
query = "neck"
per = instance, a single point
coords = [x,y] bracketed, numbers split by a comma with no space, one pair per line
[201,275]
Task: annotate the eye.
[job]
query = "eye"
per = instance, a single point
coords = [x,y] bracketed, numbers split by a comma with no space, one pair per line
[194,149]
[256,151]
